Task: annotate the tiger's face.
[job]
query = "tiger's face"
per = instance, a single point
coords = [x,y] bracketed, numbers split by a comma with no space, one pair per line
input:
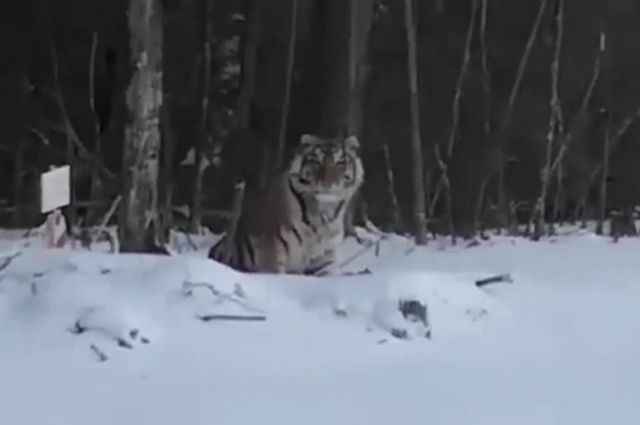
[328,169]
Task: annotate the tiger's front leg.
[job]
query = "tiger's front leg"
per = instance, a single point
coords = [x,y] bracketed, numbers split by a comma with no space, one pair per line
[326,264]
[273,257]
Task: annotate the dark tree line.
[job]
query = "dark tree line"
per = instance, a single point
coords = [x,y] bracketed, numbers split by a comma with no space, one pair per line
[503,115]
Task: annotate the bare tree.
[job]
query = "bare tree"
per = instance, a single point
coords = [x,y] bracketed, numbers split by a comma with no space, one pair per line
[486,98]
[555,126]
[444,161]
[419,213]
[505,122]
[139,212]
[611,140]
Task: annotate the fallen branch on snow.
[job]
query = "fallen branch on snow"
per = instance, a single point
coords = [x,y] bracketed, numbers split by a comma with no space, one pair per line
[237,297]
[232,317]
[503,278]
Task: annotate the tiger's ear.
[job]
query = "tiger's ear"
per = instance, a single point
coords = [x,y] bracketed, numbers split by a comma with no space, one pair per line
[308,139]
[351,143]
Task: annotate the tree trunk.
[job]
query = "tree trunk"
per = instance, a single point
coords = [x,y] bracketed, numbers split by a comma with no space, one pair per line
[360,14]
[416,139]
[394,206]
[602,204]
[505,122]
[286,99]
[201,144]
[554,130]
[360,18]
[96,179]
[455,120]
[71,209]
[139,212]
[249,66]
[166,183]
[486,104]
[18,187]
[341,34]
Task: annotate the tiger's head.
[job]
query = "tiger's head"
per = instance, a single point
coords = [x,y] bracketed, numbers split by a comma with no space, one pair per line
[328,169]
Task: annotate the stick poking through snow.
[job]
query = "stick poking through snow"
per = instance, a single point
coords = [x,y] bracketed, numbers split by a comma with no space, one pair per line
[102,357]
[6,261]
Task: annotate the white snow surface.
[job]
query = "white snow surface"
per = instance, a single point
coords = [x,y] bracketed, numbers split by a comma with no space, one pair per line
[559,345]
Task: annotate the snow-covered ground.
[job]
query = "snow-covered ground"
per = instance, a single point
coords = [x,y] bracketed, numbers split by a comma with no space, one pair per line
[91,338]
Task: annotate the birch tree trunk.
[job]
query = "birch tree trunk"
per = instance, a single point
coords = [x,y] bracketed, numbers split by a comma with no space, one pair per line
[555,126]
[416,139]
[139,212]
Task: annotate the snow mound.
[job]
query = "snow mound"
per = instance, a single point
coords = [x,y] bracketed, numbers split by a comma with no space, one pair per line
[128,301]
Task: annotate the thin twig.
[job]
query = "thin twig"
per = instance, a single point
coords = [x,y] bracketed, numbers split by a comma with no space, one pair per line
[111,211]
[522,65]
[588,95]
[68,128]
[596,72]
[464,68]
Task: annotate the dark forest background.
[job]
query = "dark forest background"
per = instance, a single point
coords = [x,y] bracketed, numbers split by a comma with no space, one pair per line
[228,75]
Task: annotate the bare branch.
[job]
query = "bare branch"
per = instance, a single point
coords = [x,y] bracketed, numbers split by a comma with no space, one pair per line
[522,66]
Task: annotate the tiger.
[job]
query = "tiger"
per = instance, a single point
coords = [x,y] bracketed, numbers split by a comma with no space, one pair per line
[297,225]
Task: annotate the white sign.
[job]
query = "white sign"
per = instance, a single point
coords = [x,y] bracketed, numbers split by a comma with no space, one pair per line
[55,189]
